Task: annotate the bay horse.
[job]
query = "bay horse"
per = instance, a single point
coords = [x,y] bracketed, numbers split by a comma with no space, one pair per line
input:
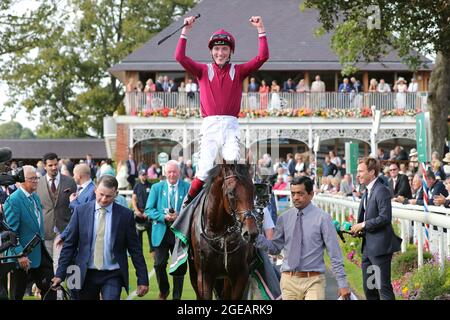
[223,230]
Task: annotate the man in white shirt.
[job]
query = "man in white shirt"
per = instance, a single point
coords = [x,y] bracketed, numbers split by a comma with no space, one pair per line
[413,85]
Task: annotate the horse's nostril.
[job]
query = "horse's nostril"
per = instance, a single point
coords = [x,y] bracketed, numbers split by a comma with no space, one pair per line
[246,235]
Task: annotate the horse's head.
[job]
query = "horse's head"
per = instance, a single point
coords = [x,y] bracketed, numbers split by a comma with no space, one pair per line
[238,198]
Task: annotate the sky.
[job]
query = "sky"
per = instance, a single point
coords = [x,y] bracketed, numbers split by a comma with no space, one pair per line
[22,116]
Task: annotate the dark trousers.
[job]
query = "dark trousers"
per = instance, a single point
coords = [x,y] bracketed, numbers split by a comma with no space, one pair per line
[377,282]
[148,230]
[3,286]
[108,283]
[42,276]
[131,180]
[161,257]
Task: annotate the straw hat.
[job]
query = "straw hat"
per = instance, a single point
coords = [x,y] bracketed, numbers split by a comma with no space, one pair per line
[401,79]
[413,153]
[447,157]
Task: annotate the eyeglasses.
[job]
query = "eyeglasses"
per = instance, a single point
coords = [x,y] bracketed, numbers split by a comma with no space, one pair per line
[392,169]
[32,178]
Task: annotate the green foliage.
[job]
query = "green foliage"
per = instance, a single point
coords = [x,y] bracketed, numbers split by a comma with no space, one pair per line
[430,281]
[358,37]
[56,61]
[403,263]
[14,130]
[49,131]
[27,134]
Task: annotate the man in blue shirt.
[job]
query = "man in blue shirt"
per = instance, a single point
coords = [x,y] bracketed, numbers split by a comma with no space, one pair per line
[303,232]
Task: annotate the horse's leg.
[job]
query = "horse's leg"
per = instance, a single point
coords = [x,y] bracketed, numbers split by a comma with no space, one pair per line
[238,285]
[226,291]
[193,276]
[205,284]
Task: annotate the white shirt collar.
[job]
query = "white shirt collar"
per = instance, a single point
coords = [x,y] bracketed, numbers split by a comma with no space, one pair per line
[27,194]
[108,208]
[58,176]
[168,184]
[84,185]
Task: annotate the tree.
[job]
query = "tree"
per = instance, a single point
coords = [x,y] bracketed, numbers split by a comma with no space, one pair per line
[56,56]
[367,30]
[14,130]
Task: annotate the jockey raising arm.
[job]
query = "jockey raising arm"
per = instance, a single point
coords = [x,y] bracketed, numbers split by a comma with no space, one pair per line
[220,95]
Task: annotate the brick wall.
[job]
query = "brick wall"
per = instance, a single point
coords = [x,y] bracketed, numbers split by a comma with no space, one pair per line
[122,142]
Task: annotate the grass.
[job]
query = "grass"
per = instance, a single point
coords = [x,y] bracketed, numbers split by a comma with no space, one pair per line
[353,273]
[188,291]
[153,293]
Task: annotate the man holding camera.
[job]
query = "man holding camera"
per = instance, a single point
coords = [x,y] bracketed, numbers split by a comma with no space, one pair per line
[163,207]
[23,213]
[139,198]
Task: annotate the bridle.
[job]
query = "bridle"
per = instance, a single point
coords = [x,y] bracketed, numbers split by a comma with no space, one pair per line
[237,225]
[234,213]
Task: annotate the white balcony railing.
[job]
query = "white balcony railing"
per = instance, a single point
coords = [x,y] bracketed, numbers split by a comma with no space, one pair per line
[410,217]
[144,103]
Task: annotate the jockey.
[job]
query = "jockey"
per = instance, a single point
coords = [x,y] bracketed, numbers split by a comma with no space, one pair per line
[220,96]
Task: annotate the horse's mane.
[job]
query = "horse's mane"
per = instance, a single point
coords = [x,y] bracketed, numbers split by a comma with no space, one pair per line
[240,170]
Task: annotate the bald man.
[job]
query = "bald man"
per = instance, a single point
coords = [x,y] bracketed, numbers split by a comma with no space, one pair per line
[85,186]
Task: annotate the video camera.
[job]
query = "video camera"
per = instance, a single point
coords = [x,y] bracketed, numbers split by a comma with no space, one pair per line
[9,239]
[9,176]
[263,192]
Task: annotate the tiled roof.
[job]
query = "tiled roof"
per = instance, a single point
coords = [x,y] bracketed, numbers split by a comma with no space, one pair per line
[292,43]
[70,148]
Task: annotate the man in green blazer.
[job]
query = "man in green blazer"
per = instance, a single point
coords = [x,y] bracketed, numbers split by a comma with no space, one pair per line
[163,206]
[23,213]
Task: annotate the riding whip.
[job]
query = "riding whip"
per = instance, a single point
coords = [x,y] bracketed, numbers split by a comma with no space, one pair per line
[184,25]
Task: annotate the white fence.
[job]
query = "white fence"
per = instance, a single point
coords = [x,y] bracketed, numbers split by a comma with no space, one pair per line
[142,103]
[409,216]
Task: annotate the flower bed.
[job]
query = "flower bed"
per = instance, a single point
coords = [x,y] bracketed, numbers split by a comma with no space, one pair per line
[366,112]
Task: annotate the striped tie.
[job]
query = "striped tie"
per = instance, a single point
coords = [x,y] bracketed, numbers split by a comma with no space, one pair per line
[100,239]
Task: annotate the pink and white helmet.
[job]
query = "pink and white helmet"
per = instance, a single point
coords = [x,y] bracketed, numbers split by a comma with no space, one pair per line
[221,38]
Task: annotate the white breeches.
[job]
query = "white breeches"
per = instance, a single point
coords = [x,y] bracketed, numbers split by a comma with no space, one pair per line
[218,134]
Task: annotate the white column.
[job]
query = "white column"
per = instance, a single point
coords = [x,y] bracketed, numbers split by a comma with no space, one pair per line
[186,153]
[420,230]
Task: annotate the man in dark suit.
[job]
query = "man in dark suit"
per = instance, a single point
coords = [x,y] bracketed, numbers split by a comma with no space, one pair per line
[54,190]
[85,193]
[435,188]
[375,226]
[398,183]
[100,234]
[289,86]
[23,213]
[163,207]
[91,163]
[132,170]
